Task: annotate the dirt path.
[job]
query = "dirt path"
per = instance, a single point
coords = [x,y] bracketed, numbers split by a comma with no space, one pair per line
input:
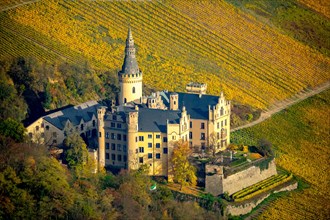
[17,5]
[284,104]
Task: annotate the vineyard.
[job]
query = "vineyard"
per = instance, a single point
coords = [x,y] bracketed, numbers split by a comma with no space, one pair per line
[261,187]
[235,53]
[300,137]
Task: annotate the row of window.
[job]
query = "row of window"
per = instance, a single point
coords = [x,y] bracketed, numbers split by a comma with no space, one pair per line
[141,150]
[113,125]
[149,157]
[223,123]
[113,147]
[115,136]
[141,138]
[119,157]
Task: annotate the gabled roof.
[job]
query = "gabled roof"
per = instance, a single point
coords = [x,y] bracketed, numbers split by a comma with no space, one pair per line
[74,114]
[155,120]
[197,106]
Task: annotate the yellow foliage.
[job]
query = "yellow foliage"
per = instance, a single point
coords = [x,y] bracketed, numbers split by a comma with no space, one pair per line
[177,42]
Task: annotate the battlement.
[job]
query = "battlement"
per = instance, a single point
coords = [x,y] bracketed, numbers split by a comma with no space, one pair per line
[195,87]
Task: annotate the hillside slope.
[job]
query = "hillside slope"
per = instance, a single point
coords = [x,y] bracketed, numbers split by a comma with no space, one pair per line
[300,135]
[177,42]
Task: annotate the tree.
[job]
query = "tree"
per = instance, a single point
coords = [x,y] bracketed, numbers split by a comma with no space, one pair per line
[213,143]
[77,156]
[13,129]
[265,147]
[183,171]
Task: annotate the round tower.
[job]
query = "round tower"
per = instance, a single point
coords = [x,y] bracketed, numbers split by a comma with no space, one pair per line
[174,101]
[130,76]
[101,139]
[132,139]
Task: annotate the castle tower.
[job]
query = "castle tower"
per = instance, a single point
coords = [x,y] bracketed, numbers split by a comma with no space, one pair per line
[130,76]
[132,139]
[101,139]
[174,101]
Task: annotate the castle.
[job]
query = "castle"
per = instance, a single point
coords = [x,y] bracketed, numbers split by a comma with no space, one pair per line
[141,129]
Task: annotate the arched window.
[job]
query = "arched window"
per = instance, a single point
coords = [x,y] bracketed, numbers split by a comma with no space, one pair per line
[133,90]
[125,100]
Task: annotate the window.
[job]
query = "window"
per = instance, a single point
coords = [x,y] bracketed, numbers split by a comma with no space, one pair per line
[106,135]
[54,134]
[133,90]
[158,136]
[149,145]
[141,149]
[173,137]
[113,136]
[114,117]
[202,136]
[118,147]
[119,157]
[149,155]
[30,134]
[221,123]
[37,128]
[149,136]
[124,137]
[100,134]
[124,148]
[47,127]
[119,137]
[107,146]
[118,125]
[125,100]
[82,127]
[218,135]
[218,125]
[94,123]
[107,156]
[113,146]
[54,141]
[158,156]
[202,125]
[164,139]
[165,150]
[157,145]
[190,135]
[113,156]
[113,124]
[140,159]
[190,124]
[141,138]
[225,122]
[125,158]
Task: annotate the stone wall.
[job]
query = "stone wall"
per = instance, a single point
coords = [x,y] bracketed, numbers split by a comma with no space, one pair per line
[246,207]
[216,183]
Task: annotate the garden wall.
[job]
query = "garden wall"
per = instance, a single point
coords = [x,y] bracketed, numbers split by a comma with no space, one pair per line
[217,183]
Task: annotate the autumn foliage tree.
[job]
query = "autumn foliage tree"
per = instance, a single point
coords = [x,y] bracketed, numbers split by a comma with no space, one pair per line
[184,172]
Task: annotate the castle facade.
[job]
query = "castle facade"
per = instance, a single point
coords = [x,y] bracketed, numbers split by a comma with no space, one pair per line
[143,129]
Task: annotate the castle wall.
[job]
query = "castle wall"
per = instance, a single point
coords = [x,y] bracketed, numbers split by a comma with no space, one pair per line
[217,184]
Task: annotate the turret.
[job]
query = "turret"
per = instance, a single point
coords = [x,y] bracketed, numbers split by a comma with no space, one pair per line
[101,139]
[132,138]
[174,101]
[130,76]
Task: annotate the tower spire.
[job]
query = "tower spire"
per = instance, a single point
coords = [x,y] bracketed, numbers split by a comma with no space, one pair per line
[130,65]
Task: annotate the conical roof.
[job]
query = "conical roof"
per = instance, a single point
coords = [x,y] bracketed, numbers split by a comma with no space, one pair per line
[130,65]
